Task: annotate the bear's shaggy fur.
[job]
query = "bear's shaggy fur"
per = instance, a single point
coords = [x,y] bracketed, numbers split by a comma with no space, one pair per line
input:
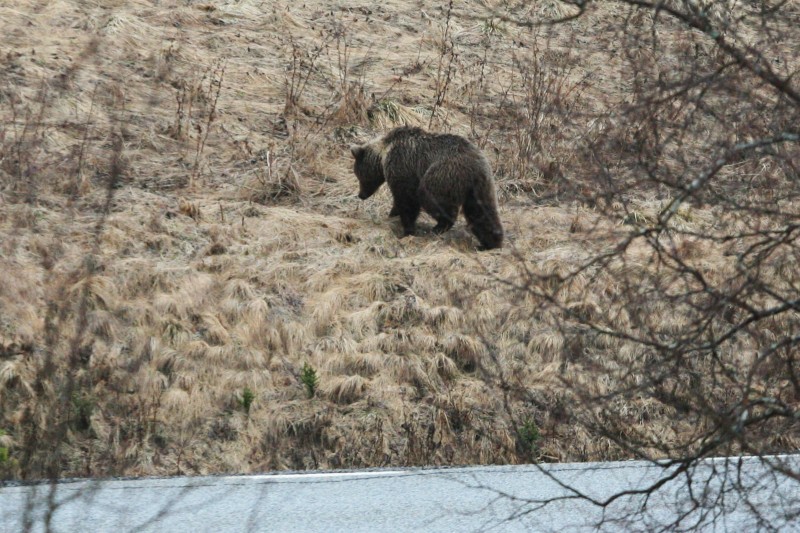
[440,173]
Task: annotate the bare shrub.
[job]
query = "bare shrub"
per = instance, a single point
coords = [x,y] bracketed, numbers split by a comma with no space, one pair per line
[702,311]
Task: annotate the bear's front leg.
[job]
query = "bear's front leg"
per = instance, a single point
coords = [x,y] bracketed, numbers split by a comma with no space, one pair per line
[409,212]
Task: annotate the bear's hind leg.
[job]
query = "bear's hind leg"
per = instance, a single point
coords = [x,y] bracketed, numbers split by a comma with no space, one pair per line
[442,226]
[442,209]
[445,221]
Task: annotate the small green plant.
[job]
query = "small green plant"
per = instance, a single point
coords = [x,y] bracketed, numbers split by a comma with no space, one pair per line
[529,436]
[3,451]
[310,379]
[82,409]
[247,399]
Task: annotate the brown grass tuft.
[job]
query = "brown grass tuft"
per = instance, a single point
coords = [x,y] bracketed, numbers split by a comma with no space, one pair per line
[345,390]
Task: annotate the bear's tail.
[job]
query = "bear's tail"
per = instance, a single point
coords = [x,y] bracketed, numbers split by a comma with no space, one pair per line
[480,210]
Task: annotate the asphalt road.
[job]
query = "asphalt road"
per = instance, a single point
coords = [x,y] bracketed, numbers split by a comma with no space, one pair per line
[719,495]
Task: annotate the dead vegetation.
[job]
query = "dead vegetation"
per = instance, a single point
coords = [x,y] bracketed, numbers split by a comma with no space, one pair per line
[179,225]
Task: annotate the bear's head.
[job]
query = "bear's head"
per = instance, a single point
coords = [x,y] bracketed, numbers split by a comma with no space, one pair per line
[368,168]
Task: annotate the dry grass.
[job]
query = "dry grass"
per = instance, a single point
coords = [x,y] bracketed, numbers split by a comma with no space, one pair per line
[230,266]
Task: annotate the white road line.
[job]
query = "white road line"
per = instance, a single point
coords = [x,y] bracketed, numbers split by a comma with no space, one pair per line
[320,475]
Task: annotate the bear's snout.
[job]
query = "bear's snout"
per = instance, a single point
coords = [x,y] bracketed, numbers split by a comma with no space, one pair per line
[362,196]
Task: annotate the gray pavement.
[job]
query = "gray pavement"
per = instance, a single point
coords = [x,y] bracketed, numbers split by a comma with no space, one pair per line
[744,495]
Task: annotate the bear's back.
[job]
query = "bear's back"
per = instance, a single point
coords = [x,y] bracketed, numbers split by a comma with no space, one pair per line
[409,143]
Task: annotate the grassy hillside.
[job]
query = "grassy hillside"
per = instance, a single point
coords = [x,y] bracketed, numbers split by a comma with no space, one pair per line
[180,237]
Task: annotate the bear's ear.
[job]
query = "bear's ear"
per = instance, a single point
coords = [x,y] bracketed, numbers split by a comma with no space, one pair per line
[356,150]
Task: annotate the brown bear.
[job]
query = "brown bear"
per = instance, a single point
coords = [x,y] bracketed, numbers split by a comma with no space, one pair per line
[440,173]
